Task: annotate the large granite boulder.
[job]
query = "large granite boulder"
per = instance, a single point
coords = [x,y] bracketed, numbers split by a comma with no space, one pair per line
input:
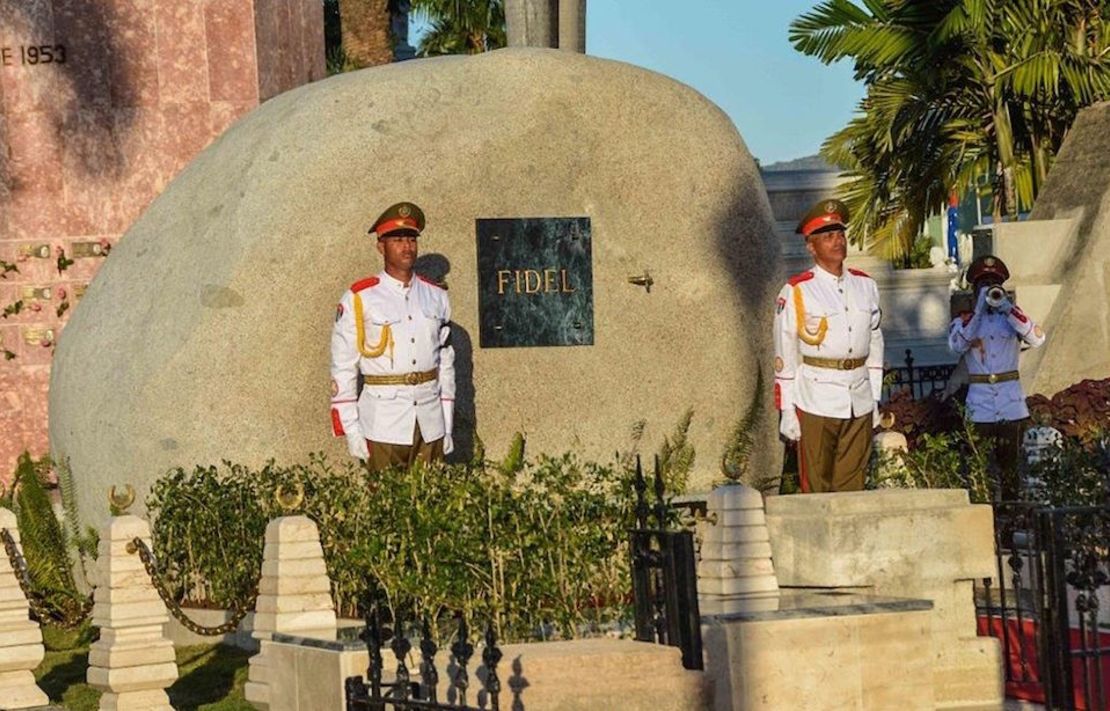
[205,335]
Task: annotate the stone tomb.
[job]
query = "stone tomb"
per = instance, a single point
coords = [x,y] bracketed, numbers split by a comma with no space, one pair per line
[218,304]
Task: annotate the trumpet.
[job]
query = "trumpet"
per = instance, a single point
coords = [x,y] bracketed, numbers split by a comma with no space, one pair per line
[996,295]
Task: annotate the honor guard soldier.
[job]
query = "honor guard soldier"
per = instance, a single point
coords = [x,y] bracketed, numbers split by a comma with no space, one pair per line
[391,332]
[989,340]
[829,358]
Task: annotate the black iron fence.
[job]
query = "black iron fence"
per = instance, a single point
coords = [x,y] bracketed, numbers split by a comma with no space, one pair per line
[919,381]
[1049,605]
[664,576]
[403,692]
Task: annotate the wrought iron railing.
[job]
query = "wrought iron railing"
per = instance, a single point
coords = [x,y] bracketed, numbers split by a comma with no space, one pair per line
[919,381]
[404,693]
[664,576]
[1049,605]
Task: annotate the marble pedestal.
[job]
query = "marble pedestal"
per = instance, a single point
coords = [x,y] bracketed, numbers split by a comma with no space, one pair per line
[294,597]
[132,662]
[21,648]
[735,572]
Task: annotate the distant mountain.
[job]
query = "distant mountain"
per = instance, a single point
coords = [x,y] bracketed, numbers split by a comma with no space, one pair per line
[814,162]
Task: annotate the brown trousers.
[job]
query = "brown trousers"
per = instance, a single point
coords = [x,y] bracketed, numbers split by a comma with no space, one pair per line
[833,453]
[1004,439]
[384,455]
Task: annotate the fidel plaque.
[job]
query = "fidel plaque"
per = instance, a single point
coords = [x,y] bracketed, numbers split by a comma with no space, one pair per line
[535,282]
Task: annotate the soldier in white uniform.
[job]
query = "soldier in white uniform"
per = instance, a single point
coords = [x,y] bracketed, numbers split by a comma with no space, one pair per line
[989,340]
[829,358]
[391,332]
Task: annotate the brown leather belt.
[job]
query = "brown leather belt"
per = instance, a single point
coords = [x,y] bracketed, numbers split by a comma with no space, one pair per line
[402,378]
[834,363]
[993,377]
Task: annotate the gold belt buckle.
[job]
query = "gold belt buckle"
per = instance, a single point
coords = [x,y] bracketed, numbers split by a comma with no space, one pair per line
[844,363]
[412,378]
[992,378]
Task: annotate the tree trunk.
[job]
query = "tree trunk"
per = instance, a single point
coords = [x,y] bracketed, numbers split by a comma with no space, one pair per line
[367,40]
[572,25]
[532,23]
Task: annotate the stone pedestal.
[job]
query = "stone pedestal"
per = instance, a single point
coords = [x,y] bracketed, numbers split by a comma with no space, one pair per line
[21,647]
[735,573]
[294,597]
[132,662]
[928,544]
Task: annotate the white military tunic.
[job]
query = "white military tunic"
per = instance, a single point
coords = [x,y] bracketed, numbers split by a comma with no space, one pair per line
[841,320]
[410,327]
[990,343]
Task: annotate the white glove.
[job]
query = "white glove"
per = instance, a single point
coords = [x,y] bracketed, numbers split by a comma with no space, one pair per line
[789,425]
[448,425]
[1005,307]
[356,445]
[981,302]
[876,416]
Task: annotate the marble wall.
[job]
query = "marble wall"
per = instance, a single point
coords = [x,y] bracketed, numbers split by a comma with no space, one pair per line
[102,102]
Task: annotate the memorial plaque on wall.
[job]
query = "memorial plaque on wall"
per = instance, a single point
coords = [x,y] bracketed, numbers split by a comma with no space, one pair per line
[535,282]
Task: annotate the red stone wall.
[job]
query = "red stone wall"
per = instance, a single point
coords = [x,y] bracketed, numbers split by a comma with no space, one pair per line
[133,89]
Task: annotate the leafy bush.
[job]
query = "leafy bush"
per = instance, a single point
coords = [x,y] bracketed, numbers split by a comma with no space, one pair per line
[949,460]
[1075,474]
[47,546]
[536,545]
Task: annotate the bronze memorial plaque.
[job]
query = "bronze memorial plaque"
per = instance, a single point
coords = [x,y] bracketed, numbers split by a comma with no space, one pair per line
[535,282]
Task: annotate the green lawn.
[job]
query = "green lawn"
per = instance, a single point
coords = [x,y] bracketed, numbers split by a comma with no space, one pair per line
[210,678]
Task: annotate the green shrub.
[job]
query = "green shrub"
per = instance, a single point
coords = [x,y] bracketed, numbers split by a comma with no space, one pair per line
[532,544]
[949,460]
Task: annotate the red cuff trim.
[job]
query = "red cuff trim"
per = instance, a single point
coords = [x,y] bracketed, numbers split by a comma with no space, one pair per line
[1019,315]
[778,397]
[336,424]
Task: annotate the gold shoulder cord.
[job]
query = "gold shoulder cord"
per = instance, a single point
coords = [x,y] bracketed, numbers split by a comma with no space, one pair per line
[386,341]
[813,339]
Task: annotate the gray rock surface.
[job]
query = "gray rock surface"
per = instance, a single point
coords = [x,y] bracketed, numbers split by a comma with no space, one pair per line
[1078,325]
[205,335]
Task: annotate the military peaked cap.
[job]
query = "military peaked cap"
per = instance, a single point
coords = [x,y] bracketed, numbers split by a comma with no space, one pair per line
[403,219]
[825,216]
[986,267]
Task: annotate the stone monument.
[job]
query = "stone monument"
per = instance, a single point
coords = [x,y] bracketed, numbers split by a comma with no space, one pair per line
[21,648]
[220,301]
[101,103]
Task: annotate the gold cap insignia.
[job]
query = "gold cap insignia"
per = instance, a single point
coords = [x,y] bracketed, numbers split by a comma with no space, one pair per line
[989,261]
[404,211]
[830,207]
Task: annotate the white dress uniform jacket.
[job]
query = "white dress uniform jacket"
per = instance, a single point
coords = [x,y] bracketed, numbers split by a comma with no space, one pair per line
[821,315]
[990,343]
[403,330]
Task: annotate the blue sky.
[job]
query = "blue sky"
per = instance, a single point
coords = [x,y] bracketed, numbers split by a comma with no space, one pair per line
[737,54]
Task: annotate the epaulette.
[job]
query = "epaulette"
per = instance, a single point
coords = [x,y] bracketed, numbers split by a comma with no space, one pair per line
[426,280]
[799,278]
[966,316]
[364,284]
[859,272]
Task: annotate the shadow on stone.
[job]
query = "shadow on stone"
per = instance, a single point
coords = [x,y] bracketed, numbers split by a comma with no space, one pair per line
[437,267]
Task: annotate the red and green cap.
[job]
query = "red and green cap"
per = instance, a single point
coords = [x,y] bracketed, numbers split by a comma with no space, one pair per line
[825,216]
[401,220]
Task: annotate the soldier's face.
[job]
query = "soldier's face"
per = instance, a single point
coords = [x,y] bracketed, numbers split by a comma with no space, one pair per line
[828,246]
[398,252]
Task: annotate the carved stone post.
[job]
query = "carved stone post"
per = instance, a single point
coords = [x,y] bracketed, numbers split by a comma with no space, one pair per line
[21,648]
[132,662]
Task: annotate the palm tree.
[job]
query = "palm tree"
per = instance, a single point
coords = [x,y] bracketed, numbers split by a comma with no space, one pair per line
[366,36]
[960,93]
[461,26]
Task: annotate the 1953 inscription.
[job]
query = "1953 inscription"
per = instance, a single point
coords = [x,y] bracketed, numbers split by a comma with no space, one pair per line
[32,54]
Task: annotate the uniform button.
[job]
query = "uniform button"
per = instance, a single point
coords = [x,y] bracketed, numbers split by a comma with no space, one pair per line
[414,362]
[849,329]
[414,340]
[410,318]
[845,308]
[849,350]
[841,291]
